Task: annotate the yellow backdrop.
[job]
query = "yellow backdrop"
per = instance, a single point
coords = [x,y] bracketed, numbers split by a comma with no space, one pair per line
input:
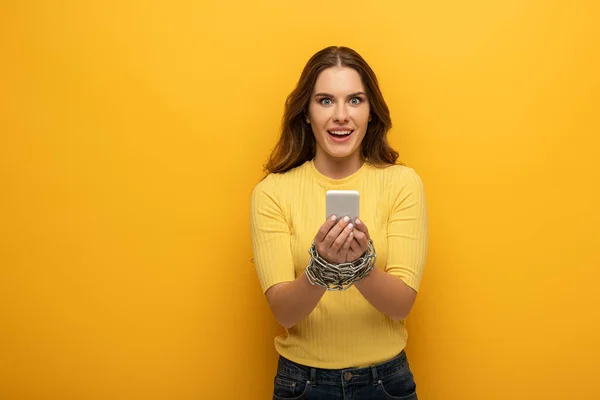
[132,133]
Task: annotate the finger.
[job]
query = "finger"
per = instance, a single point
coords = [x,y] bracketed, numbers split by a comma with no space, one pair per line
[360,225]
[325,228]
[355,249]
[342,238]
[362,240]
[347,243]
[335,231]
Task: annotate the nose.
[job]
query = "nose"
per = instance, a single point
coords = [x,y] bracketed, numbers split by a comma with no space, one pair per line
[341,114]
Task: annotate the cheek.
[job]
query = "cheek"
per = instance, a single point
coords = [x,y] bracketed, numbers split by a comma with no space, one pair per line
[318,117]
[361,115]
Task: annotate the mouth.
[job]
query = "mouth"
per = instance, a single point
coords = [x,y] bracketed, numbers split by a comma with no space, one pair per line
[340,135]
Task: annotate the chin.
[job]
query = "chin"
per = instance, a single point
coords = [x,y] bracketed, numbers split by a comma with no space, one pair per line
[338,152]
[340,155]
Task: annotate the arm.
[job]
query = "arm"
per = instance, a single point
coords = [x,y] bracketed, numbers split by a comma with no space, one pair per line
[393,291]
[387,293]
[291,302]
[291,299]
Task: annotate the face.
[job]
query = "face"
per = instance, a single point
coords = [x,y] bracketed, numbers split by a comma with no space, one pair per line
[339,113]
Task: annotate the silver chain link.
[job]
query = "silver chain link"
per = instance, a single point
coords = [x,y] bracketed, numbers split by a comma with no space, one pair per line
[339,276]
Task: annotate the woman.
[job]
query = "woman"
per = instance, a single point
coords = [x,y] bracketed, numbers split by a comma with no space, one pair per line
[339,344]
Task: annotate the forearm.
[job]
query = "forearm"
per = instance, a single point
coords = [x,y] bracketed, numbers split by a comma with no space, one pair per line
[293,301]
[387,293]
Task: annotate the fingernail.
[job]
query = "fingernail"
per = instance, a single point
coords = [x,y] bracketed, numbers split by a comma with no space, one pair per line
[333,217]
[350,226]
[357,221]
[346,219]
[351,233]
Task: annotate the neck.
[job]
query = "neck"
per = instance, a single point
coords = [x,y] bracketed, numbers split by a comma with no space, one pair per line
[338,168]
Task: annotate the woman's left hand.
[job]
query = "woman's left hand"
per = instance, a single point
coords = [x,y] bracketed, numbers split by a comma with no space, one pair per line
[360,243]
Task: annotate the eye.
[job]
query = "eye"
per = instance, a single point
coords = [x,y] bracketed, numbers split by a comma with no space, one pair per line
[325,102]
[355,100]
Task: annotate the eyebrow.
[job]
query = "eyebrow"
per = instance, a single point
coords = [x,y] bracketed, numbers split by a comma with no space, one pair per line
[330,95]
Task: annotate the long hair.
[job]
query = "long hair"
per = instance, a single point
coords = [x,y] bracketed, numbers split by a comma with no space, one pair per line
[296,143]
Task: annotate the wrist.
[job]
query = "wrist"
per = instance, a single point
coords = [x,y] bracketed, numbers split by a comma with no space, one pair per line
[365,281]
[340,276]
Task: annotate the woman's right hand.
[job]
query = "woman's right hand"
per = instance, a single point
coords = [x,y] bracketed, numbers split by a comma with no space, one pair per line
[334,239]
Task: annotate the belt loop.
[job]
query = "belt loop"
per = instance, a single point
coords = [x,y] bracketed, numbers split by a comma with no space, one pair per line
[374,373]
[313,376]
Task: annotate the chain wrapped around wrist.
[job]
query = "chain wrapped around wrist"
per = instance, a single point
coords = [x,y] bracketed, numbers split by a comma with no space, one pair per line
[340,276]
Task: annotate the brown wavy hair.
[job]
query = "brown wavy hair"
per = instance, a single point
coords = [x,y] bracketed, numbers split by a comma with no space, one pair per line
[296,143]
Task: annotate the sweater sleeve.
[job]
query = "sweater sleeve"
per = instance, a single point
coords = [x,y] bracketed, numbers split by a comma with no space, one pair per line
[407,229]
[270,232]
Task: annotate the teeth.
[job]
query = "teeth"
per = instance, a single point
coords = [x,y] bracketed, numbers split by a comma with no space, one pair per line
[340,133]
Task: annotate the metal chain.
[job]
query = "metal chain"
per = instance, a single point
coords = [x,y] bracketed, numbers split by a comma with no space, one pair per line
[339,276]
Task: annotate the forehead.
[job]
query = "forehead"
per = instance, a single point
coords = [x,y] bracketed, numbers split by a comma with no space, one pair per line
[338,80]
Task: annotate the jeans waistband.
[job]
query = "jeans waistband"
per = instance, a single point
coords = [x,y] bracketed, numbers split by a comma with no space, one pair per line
[340,376]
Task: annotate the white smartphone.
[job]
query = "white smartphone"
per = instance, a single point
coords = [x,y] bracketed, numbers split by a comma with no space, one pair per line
[342,203]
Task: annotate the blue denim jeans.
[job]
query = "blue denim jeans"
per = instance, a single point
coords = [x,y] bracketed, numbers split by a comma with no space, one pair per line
[391,380]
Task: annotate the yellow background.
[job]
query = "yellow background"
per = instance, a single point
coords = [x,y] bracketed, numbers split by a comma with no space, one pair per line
[132,133]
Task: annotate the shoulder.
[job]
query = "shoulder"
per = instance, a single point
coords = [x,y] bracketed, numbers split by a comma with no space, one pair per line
[265,184]
[403,187]
[399,175]
[265,189]
[401,183]
[276,185]
[282,181]
[264,197]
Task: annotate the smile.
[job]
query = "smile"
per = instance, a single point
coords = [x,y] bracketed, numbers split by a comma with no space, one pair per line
[339,136]
[340,133]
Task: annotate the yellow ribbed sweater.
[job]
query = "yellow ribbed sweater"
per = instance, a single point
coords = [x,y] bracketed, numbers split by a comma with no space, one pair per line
[344,330]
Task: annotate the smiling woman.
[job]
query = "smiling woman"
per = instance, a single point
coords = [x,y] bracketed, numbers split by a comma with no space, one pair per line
[351,341]
[337,117]
[337,88]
